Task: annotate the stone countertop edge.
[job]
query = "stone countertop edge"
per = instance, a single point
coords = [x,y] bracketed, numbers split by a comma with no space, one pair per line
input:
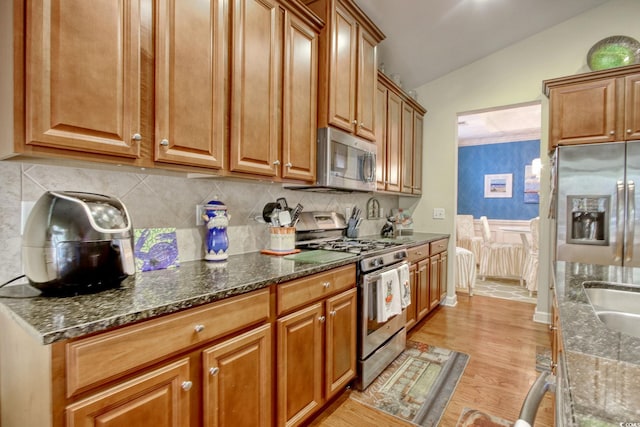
[153,293]
[602,365]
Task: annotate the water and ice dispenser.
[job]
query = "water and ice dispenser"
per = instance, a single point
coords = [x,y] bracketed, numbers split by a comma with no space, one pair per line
[588,221]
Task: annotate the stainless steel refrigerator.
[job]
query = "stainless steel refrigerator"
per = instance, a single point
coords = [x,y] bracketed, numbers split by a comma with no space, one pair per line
[597,221]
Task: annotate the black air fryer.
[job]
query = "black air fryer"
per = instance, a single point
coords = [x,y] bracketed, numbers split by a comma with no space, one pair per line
[77,243]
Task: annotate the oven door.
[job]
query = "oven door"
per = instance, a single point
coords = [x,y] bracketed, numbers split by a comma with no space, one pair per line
[374,334]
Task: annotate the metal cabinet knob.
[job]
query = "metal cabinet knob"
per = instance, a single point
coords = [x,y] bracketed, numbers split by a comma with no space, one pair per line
[322,319]
[553,328]
[214,370]
[326,284]
[332,313]
[629,131]
[136,137]
[613,132]
[277,162]
[164,142]
[288,164]
[186,385]
[198,328]
[355,122]
[361,124]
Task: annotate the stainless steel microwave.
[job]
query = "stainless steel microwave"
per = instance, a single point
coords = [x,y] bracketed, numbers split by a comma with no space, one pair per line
[345,163]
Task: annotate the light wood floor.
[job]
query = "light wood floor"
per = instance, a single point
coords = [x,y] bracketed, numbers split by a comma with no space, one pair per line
[499,336]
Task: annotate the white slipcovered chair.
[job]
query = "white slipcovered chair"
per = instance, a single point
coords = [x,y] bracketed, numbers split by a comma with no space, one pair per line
[465,269]
[499,259]
[530,271]
[465,236]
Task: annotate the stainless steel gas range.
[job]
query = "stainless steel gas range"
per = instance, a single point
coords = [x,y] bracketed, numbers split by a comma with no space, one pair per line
[379,342]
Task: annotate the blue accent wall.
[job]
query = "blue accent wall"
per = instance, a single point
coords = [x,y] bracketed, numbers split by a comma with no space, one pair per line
[474,162]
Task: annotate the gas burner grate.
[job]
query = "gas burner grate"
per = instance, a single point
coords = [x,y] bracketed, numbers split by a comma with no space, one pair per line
[356,246]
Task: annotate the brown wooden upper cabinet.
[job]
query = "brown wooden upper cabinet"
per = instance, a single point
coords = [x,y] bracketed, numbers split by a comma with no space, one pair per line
[224,86]
[85,79]
[602,106]
[191,83]
[347,68]
[274,61]
[399,139]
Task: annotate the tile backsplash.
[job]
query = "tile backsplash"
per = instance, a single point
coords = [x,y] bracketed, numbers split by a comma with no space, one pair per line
[164,201]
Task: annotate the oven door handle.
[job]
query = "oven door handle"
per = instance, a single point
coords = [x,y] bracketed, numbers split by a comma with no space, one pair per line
[373,277]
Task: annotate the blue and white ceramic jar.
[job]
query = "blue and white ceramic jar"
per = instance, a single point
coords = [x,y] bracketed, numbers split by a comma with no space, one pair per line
[216,218]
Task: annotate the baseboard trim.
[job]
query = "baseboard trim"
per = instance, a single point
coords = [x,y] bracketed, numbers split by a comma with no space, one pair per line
[542,316]
[450,301]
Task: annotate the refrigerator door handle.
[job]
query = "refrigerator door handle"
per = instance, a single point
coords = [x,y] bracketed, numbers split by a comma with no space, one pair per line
[631,216]
[619,219]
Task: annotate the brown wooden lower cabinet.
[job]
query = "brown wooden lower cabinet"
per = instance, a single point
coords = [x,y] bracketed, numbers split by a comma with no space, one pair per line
[428,275]
[158,398]
[237,381]
[316,344]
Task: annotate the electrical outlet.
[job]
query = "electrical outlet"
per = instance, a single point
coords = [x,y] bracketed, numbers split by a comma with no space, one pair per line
[199,213]
[438,213]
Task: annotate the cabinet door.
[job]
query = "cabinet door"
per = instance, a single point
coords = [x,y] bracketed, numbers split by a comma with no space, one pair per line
[394,141]
[237,380]
[418,121]
[632,107]
[159,398]
[381,136]
[191,52]
[412,308]
[443,274]
[299,100]
[406,165]
[342,70]
[423,288]
[300,355]
[583,113]
[367,78]
[340,352]
[255,75]
[84,80]
[434,282]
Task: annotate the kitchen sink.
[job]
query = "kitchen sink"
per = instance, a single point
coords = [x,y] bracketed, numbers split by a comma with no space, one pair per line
[617,308]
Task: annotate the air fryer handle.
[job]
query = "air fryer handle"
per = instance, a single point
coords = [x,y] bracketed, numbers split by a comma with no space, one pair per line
[125,248]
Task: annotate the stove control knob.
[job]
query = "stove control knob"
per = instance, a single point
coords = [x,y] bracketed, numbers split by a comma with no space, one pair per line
[401,255]
[376,262]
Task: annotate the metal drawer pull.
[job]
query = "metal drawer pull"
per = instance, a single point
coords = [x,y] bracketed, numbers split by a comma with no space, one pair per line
[214,370]
[199,328]
[326,284]
[186,385]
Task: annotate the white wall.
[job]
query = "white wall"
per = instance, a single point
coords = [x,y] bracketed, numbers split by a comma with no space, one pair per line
[511,76]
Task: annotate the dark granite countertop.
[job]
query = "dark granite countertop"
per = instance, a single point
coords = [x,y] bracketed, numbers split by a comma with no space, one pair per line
[602,365]
[155,293]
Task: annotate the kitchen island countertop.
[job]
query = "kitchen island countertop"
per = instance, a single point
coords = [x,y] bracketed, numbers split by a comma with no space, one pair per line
[154,293]
[602,366]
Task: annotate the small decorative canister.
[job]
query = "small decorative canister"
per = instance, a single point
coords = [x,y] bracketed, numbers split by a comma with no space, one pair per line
[216,218]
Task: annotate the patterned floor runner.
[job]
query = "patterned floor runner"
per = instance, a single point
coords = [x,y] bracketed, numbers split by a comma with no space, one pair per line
[417,386]
[475,418]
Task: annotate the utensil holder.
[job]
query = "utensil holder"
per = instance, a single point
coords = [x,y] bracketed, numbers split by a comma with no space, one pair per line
[282,239]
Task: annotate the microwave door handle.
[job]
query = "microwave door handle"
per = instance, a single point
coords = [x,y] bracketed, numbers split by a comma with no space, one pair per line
[631,216]
[619,220]
[369,164]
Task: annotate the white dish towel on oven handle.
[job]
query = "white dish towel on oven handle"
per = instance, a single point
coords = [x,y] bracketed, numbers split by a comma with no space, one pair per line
[389,296]
[405,285]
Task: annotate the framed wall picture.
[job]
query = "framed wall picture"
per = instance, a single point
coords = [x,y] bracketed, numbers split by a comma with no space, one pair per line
[498,186]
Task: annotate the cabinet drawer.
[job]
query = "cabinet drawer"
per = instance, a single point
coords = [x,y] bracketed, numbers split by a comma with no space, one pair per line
[417,253]
[95,360]
[439,246]
[298,293]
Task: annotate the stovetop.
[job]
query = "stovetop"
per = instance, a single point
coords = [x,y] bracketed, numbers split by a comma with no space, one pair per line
[355,246]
